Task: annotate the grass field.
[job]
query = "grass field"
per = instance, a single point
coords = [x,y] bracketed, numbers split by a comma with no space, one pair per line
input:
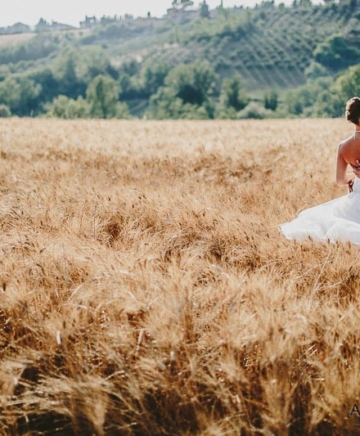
[145,288]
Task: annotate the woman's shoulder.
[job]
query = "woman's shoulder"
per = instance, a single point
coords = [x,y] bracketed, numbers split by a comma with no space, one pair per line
[346,143]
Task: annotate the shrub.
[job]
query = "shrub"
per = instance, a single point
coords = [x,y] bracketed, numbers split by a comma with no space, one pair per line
[300,101]
[5,111]
[271,100]
[348,84]
[102,96]
[20,94]
[122,111]
[186,93]
[67,108]
[328,105]
[165,105]
[315,70]
[232,94]
[337,52]
[253,111]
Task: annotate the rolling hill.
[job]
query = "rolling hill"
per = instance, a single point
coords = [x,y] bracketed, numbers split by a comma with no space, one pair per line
[271,47]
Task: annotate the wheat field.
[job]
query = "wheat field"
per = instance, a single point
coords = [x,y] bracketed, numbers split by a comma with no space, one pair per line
[146,290]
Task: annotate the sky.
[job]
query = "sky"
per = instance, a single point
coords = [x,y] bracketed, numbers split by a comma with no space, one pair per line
[72,11]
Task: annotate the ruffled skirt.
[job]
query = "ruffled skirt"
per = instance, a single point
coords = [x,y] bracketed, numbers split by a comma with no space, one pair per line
[335,220]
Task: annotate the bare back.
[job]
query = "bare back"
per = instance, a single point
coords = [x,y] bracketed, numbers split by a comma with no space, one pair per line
[348,154]
[350,150]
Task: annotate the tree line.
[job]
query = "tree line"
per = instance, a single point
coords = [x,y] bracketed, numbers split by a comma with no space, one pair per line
[72,77]
[88,86]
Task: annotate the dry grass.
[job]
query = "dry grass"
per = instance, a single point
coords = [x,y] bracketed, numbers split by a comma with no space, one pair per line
[145,288]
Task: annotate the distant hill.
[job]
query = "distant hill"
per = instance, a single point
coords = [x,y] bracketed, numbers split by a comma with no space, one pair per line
[271,47]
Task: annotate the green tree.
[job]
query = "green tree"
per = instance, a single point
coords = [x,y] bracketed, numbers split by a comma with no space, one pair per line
[271,99]
[67,108]
[328,104]
[49,85]
[129,80]
[348,84]
[337,52]
[130,67]
[267,4]
[232,94]
[192,83]
[122,111]
[39,46]
[353,4]
[164,105]
[253,111]
[315,70]
[5,111]
[331,101]
[182,4]
[20,94]
[305,3]
[294,103]
[4,72]
[126,86]
[42,25]
[301,101]
[92,63]
[204,10]
[65,70]
[186,94]
[153,77]
[102,95]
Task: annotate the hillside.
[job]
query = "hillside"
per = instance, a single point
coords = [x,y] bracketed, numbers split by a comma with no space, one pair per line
[17,38]
[270,47]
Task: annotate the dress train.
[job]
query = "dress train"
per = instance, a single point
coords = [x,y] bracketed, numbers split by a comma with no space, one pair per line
[335,220]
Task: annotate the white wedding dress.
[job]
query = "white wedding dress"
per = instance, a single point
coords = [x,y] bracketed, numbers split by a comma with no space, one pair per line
[336,220]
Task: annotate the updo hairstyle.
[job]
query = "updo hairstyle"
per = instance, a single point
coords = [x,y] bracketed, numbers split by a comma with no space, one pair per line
[352,111]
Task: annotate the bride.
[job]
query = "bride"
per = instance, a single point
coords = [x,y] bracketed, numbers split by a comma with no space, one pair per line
[338,219]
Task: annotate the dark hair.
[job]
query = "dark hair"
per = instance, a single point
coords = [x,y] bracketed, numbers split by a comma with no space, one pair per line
[352,111]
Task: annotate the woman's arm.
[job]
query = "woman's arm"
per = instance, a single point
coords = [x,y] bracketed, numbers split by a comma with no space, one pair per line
[342,177]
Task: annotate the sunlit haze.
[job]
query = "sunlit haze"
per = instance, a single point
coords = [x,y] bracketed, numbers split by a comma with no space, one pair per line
[73,11]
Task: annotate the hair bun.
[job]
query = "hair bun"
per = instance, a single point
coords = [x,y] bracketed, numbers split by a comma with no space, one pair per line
[352,111]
